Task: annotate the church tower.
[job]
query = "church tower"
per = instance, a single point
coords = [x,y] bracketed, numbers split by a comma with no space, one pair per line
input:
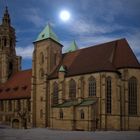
[46,57]
[9,62]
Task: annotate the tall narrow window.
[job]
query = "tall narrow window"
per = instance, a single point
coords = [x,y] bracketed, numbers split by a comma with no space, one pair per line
[132,96]
[41,58]
[92,86]
[108,95]
[72,89]
[55,93]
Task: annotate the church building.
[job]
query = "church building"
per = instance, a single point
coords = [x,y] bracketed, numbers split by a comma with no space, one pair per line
[93,88]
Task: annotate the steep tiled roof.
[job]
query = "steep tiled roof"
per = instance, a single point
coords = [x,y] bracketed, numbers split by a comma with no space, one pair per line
[18,86]
[104,57]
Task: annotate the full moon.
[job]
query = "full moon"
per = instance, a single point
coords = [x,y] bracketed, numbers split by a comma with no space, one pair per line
[64,15]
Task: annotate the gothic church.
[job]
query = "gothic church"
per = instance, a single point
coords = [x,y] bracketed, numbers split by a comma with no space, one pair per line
[94,88]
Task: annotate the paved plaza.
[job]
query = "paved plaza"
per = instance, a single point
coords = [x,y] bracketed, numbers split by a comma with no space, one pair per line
[7,133]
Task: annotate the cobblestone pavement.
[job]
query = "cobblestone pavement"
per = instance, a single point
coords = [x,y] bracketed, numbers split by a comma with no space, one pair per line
[46,134]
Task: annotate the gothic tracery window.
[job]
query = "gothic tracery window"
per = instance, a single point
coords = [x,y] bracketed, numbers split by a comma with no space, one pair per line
[72,89]
[132,96]
[92,86]
[108,95]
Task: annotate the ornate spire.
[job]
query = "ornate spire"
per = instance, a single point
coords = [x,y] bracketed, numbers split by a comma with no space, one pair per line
[6,18]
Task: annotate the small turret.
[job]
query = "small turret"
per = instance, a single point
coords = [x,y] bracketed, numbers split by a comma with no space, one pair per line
[73,47]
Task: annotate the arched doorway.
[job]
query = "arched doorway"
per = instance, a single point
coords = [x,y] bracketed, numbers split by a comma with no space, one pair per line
[15,123]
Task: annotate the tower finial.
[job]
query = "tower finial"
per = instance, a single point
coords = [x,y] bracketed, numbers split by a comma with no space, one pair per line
[6,17]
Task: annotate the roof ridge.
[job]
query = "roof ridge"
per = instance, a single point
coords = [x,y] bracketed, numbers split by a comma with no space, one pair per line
[97,45]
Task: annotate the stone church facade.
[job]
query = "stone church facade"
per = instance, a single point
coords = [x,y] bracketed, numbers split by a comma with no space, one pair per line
[94,88]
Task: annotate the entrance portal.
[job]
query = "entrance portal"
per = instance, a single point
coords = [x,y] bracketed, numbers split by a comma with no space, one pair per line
[15,123]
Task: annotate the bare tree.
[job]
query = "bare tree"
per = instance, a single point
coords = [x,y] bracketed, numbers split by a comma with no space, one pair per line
[23,116]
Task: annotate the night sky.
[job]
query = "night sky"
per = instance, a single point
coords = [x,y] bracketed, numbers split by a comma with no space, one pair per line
[92,22]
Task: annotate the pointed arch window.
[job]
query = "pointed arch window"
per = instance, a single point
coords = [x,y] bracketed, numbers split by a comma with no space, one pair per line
[72,89]
[132,96]
[41,58]
[108,95]
[55,93]
[92,86]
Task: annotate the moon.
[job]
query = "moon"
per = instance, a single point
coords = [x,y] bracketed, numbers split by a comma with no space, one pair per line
[65,15]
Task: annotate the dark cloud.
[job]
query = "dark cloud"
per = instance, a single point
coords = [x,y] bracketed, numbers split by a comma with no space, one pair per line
[92,22]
